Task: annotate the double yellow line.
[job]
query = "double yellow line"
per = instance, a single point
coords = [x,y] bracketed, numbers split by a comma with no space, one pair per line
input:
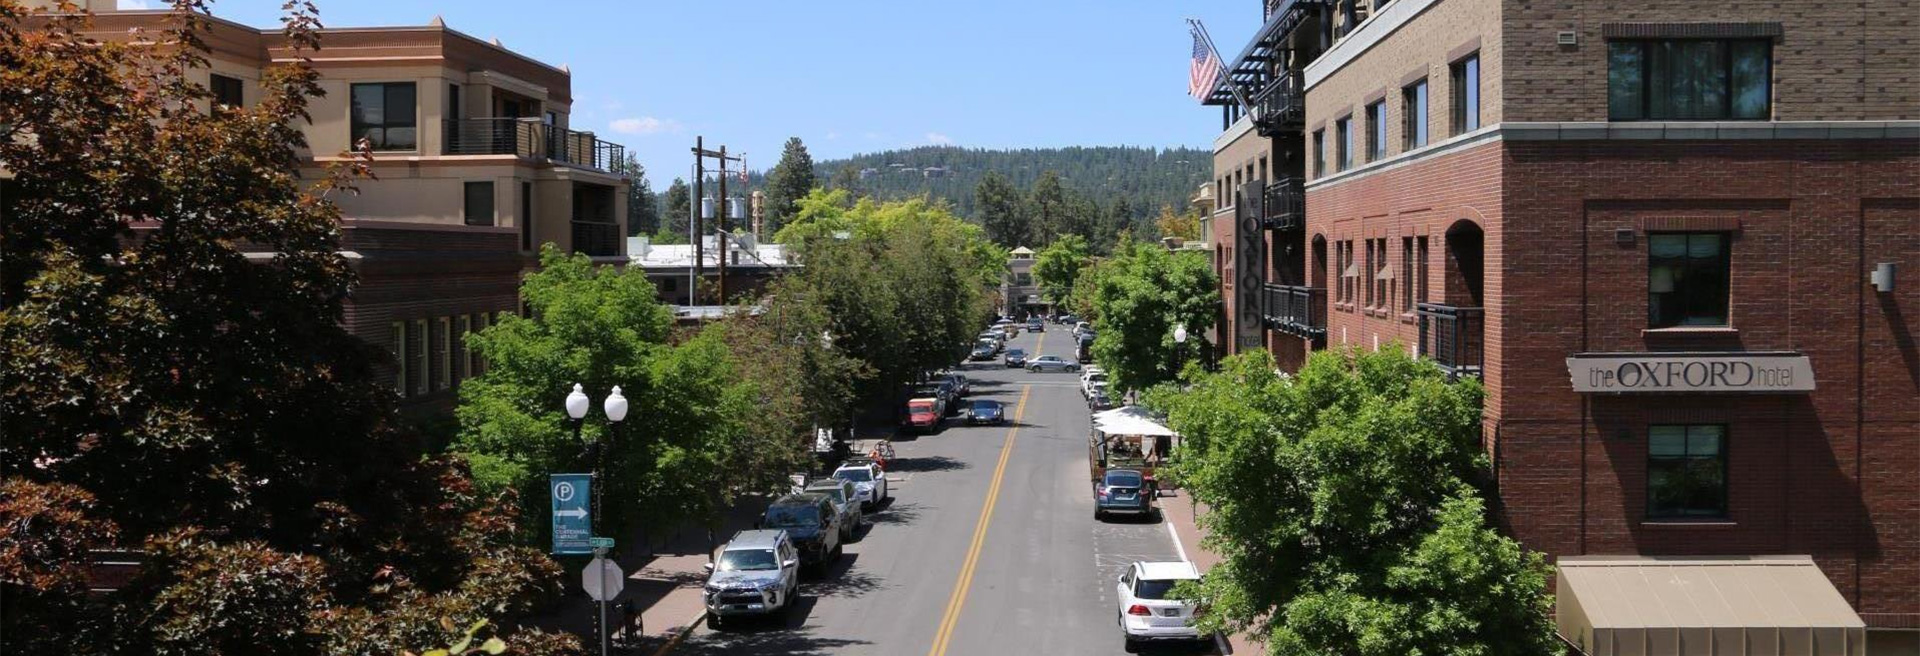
[958,599]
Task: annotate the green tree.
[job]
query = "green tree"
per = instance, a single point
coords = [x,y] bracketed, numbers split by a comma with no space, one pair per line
[602,327]
[1343,503]
[673,212]
[1185,225]
[847,178]
[178,381]
[1002,212]
[1143,292]
[1048,204]
[1058,266]
[790,180]
[643,206]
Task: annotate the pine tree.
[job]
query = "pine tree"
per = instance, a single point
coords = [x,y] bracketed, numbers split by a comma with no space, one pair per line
[846,178]
[789,181]
[1047,204]
[643,206]
[1001,211]
[673,208]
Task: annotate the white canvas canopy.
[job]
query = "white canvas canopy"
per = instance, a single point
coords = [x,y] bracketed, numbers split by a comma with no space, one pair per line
[1130,420]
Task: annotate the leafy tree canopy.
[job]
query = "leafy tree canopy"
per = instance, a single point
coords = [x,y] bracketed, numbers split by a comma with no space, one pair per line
[1058,266]
[1140,295]
[1343,503]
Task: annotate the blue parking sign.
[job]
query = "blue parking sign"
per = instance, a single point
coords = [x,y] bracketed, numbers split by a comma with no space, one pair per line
[572,523]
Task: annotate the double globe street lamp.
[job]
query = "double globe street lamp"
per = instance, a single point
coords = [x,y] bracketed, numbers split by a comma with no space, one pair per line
[616,408]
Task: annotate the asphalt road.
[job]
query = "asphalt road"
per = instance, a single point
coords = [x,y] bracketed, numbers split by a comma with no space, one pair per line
[957,564]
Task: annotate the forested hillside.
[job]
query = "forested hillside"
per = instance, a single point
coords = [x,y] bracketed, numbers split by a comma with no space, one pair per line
[1147,178]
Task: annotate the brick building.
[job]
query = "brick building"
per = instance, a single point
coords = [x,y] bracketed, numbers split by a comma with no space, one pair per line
[476,168]
[1650,228]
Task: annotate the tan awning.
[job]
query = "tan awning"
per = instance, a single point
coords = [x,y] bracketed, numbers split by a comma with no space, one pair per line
[1711,606]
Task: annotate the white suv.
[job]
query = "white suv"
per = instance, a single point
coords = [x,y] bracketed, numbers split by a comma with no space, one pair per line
[1093,377]
[1147,613]
[869,482]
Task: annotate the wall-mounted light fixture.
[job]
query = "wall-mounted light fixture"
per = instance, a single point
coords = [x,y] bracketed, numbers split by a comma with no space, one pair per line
[1883,277]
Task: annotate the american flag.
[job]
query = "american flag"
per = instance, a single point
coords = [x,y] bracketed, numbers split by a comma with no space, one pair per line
[1204,71]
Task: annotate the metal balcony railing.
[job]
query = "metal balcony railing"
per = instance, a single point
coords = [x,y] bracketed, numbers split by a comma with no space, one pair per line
[1281,106]
[1284,205]
[595,238]
[1453,337]
[531,138]
[1295,309]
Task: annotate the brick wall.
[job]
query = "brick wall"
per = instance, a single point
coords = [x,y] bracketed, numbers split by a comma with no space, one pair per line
[1833,61]
[1832,473]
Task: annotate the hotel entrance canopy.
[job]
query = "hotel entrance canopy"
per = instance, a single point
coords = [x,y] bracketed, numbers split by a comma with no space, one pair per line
[1705,606]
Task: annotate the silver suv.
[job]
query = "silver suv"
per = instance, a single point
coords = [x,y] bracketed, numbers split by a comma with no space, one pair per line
[845,501]
[757,573]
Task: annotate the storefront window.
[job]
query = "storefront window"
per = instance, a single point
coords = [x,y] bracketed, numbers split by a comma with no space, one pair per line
[1686,471]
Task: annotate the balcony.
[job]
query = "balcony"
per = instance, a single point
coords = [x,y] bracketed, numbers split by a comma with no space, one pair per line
[1284,205]
[1295,309]
[1281,106]
[526,137]
[1453,337]
[596,239]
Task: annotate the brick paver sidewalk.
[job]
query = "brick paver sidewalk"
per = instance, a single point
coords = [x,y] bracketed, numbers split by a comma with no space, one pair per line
[1178,510]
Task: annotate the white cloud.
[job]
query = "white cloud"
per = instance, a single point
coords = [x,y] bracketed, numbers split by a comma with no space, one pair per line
[938,139]
[645,125]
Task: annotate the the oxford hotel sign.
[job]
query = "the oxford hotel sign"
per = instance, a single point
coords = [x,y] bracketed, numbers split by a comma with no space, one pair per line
[1736,371]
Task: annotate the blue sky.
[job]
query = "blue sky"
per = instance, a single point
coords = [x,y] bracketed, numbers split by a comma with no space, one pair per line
[846,76]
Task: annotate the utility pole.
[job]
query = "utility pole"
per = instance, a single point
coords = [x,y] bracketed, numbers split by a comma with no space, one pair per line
[700,155]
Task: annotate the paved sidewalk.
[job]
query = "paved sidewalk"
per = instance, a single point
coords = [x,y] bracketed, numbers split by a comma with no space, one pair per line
[1179,512]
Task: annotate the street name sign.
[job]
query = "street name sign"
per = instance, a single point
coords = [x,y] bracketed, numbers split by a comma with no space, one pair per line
[601,543]
[572,523]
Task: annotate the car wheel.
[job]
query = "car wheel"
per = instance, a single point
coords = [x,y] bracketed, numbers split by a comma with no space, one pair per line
[1130,645]
[1099,515]
[839,550]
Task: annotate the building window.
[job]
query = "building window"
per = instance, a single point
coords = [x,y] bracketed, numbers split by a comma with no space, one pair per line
[383,113]
[475,363]
[1413,106]
[1687,471]
[1381,274]
[1418,281]
[479,203]
[442,353]
[1349,272]
[462,356]
[227,91]
[400,357]
[1343,142]
[417,347]
[526,216]
[1022,279]
[1466,94]
[1319,152]
[1689,79]
[1377,131]
[1687,276]
[1371,261]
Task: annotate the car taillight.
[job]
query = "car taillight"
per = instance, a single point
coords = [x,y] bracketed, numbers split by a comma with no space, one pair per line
[1138,609]
[1100,491]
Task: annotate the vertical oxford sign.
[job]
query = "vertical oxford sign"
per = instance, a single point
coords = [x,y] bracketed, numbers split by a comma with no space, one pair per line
[572,526]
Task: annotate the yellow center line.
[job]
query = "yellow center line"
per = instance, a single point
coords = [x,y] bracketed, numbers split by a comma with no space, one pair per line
[958,599]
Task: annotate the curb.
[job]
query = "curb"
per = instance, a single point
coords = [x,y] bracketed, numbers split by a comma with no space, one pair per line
[681,634]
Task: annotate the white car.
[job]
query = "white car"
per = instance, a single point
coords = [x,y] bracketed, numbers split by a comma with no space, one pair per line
[1091,380]
[869,482]
[1146,613]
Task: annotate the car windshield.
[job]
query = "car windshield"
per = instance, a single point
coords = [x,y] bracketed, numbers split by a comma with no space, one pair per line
[748,560]
[838,493]
[1154,588]
[793,516]
[1015,353]
[1123,479]
[986,406]
[855,475]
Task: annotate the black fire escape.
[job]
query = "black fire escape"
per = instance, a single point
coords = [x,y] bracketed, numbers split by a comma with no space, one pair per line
[1265,84]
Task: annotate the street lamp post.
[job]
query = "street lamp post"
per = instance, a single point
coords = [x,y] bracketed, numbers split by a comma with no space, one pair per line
[616,409]
[1179,347]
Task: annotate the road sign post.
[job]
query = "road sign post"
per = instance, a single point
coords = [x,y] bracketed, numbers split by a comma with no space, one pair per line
[572,523]
[603,581]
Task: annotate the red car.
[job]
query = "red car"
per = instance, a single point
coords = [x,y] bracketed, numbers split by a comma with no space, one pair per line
[923,414]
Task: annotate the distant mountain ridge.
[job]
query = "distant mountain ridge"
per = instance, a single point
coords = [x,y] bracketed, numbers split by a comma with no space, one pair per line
[1147,177]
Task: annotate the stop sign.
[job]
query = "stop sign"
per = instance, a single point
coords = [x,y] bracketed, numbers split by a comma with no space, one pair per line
[602,579]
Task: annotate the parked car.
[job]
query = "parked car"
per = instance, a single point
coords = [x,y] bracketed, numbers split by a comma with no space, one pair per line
[756,573]
[1122,491]
[1099,400]
[1081,327]
[1147,611]
[812,522]
[841,492]
[1035,325]
[1091,379]
[869,482]
[1083,348]
[1051,363]
[923,414]
[962,386]
[983,411]
[982,351]
[1016,358]
[1067,319]
[937,389]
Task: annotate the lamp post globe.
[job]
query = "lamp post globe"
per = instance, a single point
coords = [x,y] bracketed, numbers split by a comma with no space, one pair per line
[616,405]
[1180,333]
[577,403]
